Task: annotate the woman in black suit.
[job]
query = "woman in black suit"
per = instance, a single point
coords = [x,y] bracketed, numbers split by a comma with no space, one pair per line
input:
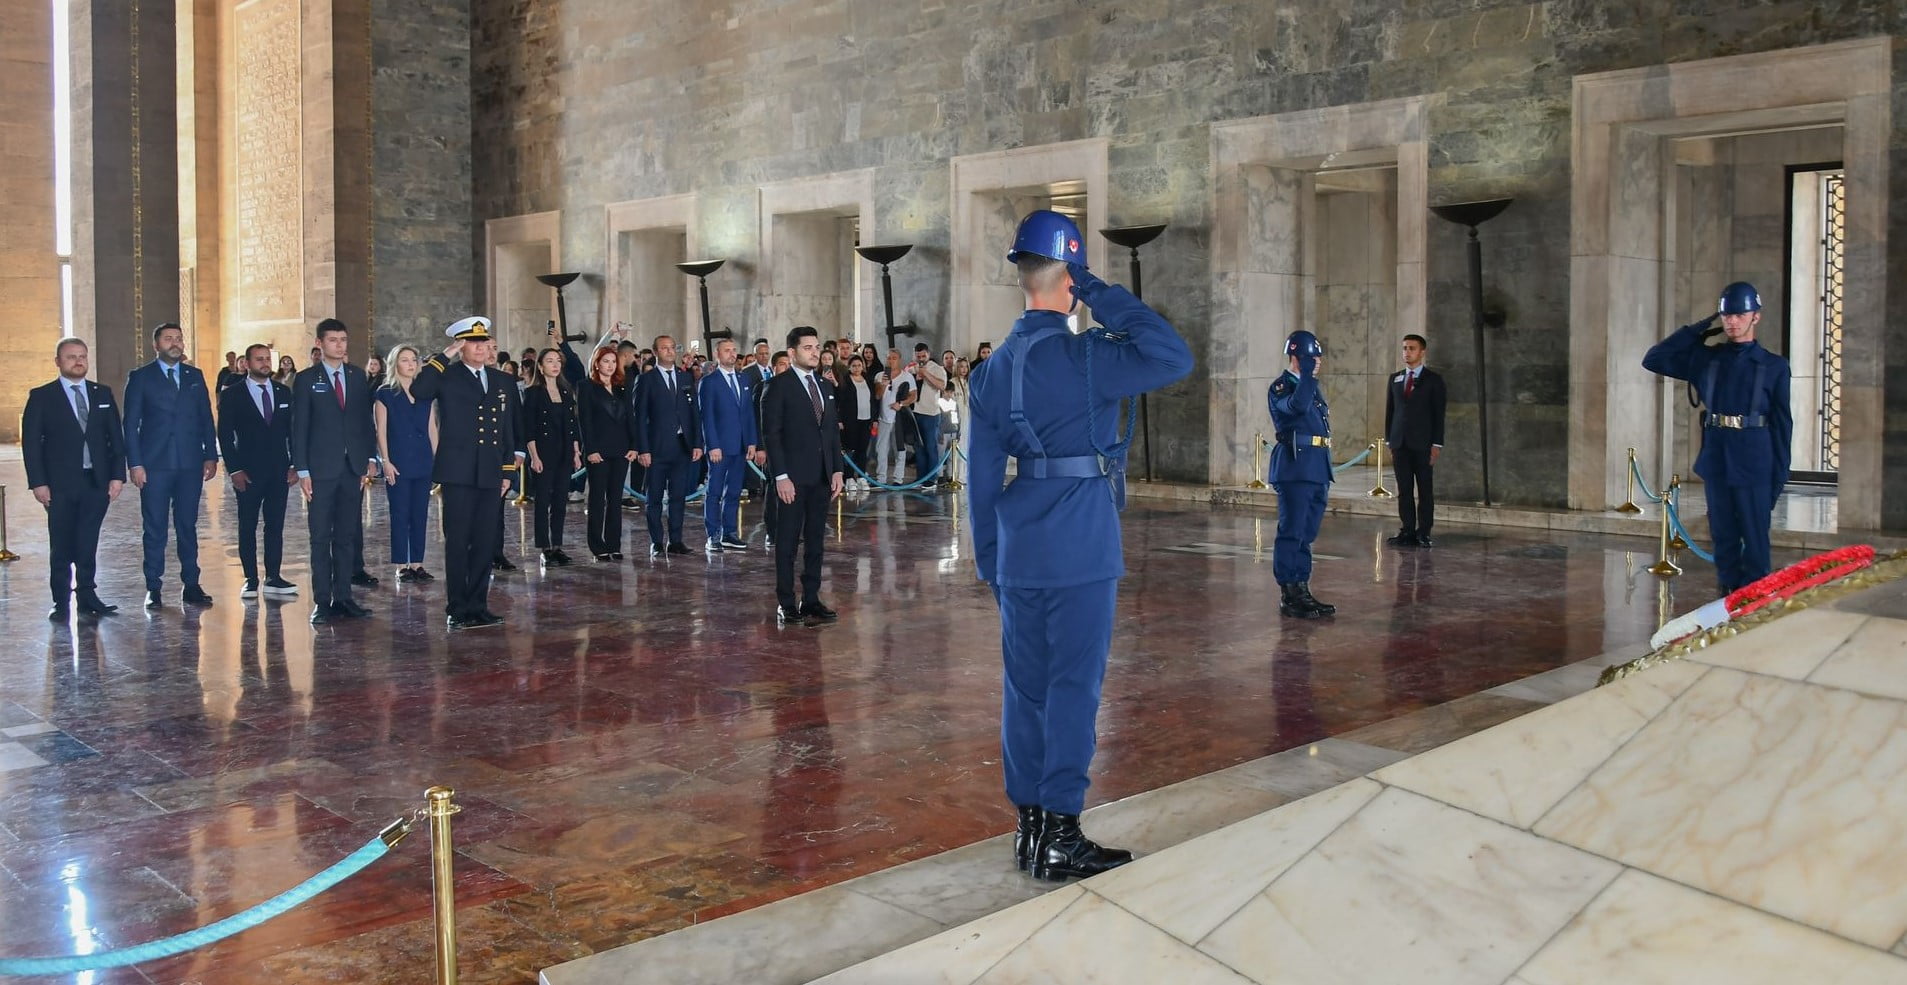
[856,397]
[555,452]
[608,441]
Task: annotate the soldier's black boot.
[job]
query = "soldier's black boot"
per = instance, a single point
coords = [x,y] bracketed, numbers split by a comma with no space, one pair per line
[1294,604]
[1322,608]
[1027,837]
[1064,852]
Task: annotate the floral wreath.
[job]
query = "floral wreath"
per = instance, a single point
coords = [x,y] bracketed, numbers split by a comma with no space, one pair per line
[1795,578]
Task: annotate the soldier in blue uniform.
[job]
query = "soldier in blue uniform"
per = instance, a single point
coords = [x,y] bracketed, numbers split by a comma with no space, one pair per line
[1300,472]
[1747,428]
[1048,542]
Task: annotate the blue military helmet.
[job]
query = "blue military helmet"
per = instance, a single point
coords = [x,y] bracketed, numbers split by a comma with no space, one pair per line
[1739,298]
[1046,233]
[1303,343]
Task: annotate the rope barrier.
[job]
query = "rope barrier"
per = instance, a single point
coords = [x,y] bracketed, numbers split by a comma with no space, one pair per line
[244,920]
[917,483]
[1266,443]
[1675,520]
[1643,484]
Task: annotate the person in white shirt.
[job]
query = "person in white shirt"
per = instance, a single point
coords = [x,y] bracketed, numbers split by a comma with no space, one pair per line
[888,445]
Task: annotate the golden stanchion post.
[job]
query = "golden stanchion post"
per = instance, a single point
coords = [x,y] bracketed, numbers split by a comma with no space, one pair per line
[1258,535]
[1629,498]
[1663,567]
[1675,541]
[1257,466]
[1380,492]
[438,808]
[5,553]
[840,509]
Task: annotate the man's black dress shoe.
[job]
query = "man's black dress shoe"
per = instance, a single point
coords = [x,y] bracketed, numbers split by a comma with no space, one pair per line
[679,548]
[790,615]
[364,579]
[93,606]
[152,599]
[1026,837]
[194,595]
[1064,852]
[1423,540]
[1402,538]
[320,614]
[818,612]
[57,614]
[350,610]
[502,563]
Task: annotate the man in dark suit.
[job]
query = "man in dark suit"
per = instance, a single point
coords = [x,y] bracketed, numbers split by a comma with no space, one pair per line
[728,426]
[255,437]
[171,452]
[478,447]
[802,433]
[1413,415]
[668,444]
[75,456]
[333,450]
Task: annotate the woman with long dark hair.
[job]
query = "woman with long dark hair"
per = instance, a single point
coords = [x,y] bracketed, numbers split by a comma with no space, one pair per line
[608,440]
[555,452]
[856,403]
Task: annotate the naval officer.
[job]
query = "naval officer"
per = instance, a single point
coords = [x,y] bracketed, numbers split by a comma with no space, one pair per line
[478,447]
[1300,472]
[1048,542]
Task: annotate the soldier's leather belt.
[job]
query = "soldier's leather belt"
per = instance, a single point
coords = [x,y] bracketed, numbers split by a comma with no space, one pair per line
[1737,422]
[1069,467]
[1307,440]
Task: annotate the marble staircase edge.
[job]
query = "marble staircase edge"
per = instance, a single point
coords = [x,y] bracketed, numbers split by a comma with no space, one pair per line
[985,885]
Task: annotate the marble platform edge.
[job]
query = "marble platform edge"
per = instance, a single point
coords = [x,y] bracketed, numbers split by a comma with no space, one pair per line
[1616,912]
[1537,518]
[973,882]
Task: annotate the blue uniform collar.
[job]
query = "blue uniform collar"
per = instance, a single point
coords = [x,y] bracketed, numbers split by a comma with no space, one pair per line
[1035,319]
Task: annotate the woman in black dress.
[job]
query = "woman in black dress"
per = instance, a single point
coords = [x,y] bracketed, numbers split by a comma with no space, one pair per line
[608,443]
[555,452]
[855,400]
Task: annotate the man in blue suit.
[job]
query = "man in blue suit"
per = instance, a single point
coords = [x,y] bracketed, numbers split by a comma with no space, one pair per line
[1300,472]
[1048,542]
[729,430]
[171,452]
[668,444]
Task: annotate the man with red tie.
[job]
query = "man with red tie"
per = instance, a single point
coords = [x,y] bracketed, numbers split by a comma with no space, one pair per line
[1413,416]
[333,448]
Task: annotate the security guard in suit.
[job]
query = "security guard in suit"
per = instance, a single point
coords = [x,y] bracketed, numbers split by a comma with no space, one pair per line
[1747,428]
[1048,542]
[1300,472]
[478,446]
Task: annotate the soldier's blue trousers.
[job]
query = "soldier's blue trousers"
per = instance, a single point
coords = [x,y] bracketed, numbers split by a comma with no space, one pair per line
[1300,513]
[1738,519]
[1054,643]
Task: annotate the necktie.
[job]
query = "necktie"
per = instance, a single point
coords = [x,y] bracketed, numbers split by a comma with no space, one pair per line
[1410,383]
[265,401]
[735,385]
[669,377]
[482,383]
[80,409]
[337,386]
[172,376]
[814,397]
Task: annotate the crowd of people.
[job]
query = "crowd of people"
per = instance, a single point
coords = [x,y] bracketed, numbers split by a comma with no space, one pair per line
[632,428]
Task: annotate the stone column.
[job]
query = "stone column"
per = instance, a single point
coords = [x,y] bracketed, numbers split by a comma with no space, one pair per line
[29,265]
[125,179]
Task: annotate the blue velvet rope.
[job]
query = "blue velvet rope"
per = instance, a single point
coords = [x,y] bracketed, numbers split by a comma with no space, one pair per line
[1675,521]
[236,923]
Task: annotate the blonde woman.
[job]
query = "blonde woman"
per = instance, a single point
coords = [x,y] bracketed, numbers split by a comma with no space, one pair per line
[407,442]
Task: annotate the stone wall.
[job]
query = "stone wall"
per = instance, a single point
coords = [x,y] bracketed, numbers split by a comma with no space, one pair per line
[29,267]
[582,103]
[422,261]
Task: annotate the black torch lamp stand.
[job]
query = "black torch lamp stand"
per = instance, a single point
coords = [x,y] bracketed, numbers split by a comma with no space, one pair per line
[1133,237]
[1472,215]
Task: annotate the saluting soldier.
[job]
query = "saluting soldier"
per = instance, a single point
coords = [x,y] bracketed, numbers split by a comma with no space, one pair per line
[478,446]
[1300,472]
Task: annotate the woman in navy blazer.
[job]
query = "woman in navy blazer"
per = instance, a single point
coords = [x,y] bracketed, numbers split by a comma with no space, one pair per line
[607,422]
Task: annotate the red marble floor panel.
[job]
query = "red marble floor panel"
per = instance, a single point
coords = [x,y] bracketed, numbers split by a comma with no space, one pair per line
[641,748]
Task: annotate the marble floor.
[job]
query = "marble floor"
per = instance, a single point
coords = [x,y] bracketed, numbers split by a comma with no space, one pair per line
[640,749]
[1735,817]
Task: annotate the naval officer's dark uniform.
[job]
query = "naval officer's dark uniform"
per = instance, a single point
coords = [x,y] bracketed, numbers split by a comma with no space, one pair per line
[477,443]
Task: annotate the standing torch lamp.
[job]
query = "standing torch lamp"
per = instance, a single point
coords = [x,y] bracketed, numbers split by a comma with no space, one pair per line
[885,255]
[700,270]
[560,281]
[1472,215]
[1133,237]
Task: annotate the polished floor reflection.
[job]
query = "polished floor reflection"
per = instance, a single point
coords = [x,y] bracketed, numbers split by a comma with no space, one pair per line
[640,748]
